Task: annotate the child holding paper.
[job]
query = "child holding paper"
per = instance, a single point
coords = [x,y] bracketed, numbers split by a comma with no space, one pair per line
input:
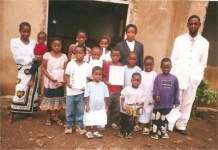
[104,44]
[166,95]
[76,77]
[132,100]
[113,102]
[95,112]
[54,89]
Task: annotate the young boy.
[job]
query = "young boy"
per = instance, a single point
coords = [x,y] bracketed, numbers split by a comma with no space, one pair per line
[132,97]
[81,39]
[39,50]
[166,95]
[76,78]
[113,102]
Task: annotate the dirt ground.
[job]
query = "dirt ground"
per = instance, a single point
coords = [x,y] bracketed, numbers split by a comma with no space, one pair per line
[34,134]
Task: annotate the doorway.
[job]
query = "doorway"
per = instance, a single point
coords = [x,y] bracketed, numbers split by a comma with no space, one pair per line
[96,17]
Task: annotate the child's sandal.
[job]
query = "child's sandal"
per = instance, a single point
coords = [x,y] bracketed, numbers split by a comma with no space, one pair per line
[137,128]
[48,122]
[59,122]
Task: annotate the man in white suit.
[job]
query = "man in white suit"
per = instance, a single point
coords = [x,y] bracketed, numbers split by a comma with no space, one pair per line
[189,59]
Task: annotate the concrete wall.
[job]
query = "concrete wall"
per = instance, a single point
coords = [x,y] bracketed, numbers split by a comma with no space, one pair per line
[158,21]
[12,14]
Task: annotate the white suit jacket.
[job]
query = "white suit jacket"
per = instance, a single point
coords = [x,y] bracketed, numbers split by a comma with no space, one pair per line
[189,62]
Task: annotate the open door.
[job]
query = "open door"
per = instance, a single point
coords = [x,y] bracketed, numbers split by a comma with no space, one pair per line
[96,17]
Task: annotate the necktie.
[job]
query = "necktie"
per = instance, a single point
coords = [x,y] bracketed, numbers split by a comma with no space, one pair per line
[192,42]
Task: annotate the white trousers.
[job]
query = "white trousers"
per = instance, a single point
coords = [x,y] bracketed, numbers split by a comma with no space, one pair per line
[187,98]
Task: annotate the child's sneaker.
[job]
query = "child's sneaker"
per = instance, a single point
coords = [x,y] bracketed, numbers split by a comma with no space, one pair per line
[165,136]
[97,134]
[155,136]
[128,135]
[120,134]
[145,131]
[89,135]
[80,130]
[68,130]
[114,126]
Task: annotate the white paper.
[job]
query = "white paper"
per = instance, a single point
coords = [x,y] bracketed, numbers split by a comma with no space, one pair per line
[116,75]
[58,74]
[92,64]
[78,80]
[172,117]
[95,117]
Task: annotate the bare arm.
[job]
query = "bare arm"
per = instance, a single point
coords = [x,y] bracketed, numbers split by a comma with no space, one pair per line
[87,104]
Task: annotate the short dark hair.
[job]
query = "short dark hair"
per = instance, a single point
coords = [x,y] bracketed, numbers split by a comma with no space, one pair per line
[194,16]
[131,25]
[23,24]
[132,53]
[82,31]
[136,74]
[96,47]
[106,38]
[56,39]
[42,32]
[116,49]
[83,47]
[165,60]
[96,68]
[148,58]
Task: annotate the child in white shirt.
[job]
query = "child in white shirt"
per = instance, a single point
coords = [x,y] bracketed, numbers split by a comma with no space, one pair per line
[132,97]
[76,77]
[148,77]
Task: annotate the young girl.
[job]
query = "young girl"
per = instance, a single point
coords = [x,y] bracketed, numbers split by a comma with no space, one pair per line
[148,76]
[130,68]
[53,66]
[131,45]
[76,78]
[81,39]
[131,97]
[166,95]
[104,44]
[95,94]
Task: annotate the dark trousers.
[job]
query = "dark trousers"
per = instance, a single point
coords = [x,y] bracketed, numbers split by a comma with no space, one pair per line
[127,123]
[34,68]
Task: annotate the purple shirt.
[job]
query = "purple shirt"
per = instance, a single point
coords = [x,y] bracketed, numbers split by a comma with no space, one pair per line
[167,87]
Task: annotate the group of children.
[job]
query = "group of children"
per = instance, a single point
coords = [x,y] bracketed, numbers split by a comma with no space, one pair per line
[142,103]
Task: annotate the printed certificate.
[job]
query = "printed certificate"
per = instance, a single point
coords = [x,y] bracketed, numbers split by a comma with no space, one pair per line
[92,64]
[116,75]
[95,117]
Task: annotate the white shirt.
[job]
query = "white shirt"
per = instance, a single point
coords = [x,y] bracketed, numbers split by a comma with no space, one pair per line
[22,54]
[131,45]
[78,77]
[132,95]
[189,62]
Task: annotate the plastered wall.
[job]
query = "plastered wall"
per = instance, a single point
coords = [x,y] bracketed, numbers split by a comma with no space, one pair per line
[13,12]
[158,22]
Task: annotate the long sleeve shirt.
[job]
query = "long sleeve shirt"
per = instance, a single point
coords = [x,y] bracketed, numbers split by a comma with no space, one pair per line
[189,62]
[167,87]
[22,54]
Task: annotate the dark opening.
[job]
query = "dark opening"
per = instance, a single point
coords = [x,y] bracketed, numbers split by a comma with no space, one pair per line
[97,18]
[210,32]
